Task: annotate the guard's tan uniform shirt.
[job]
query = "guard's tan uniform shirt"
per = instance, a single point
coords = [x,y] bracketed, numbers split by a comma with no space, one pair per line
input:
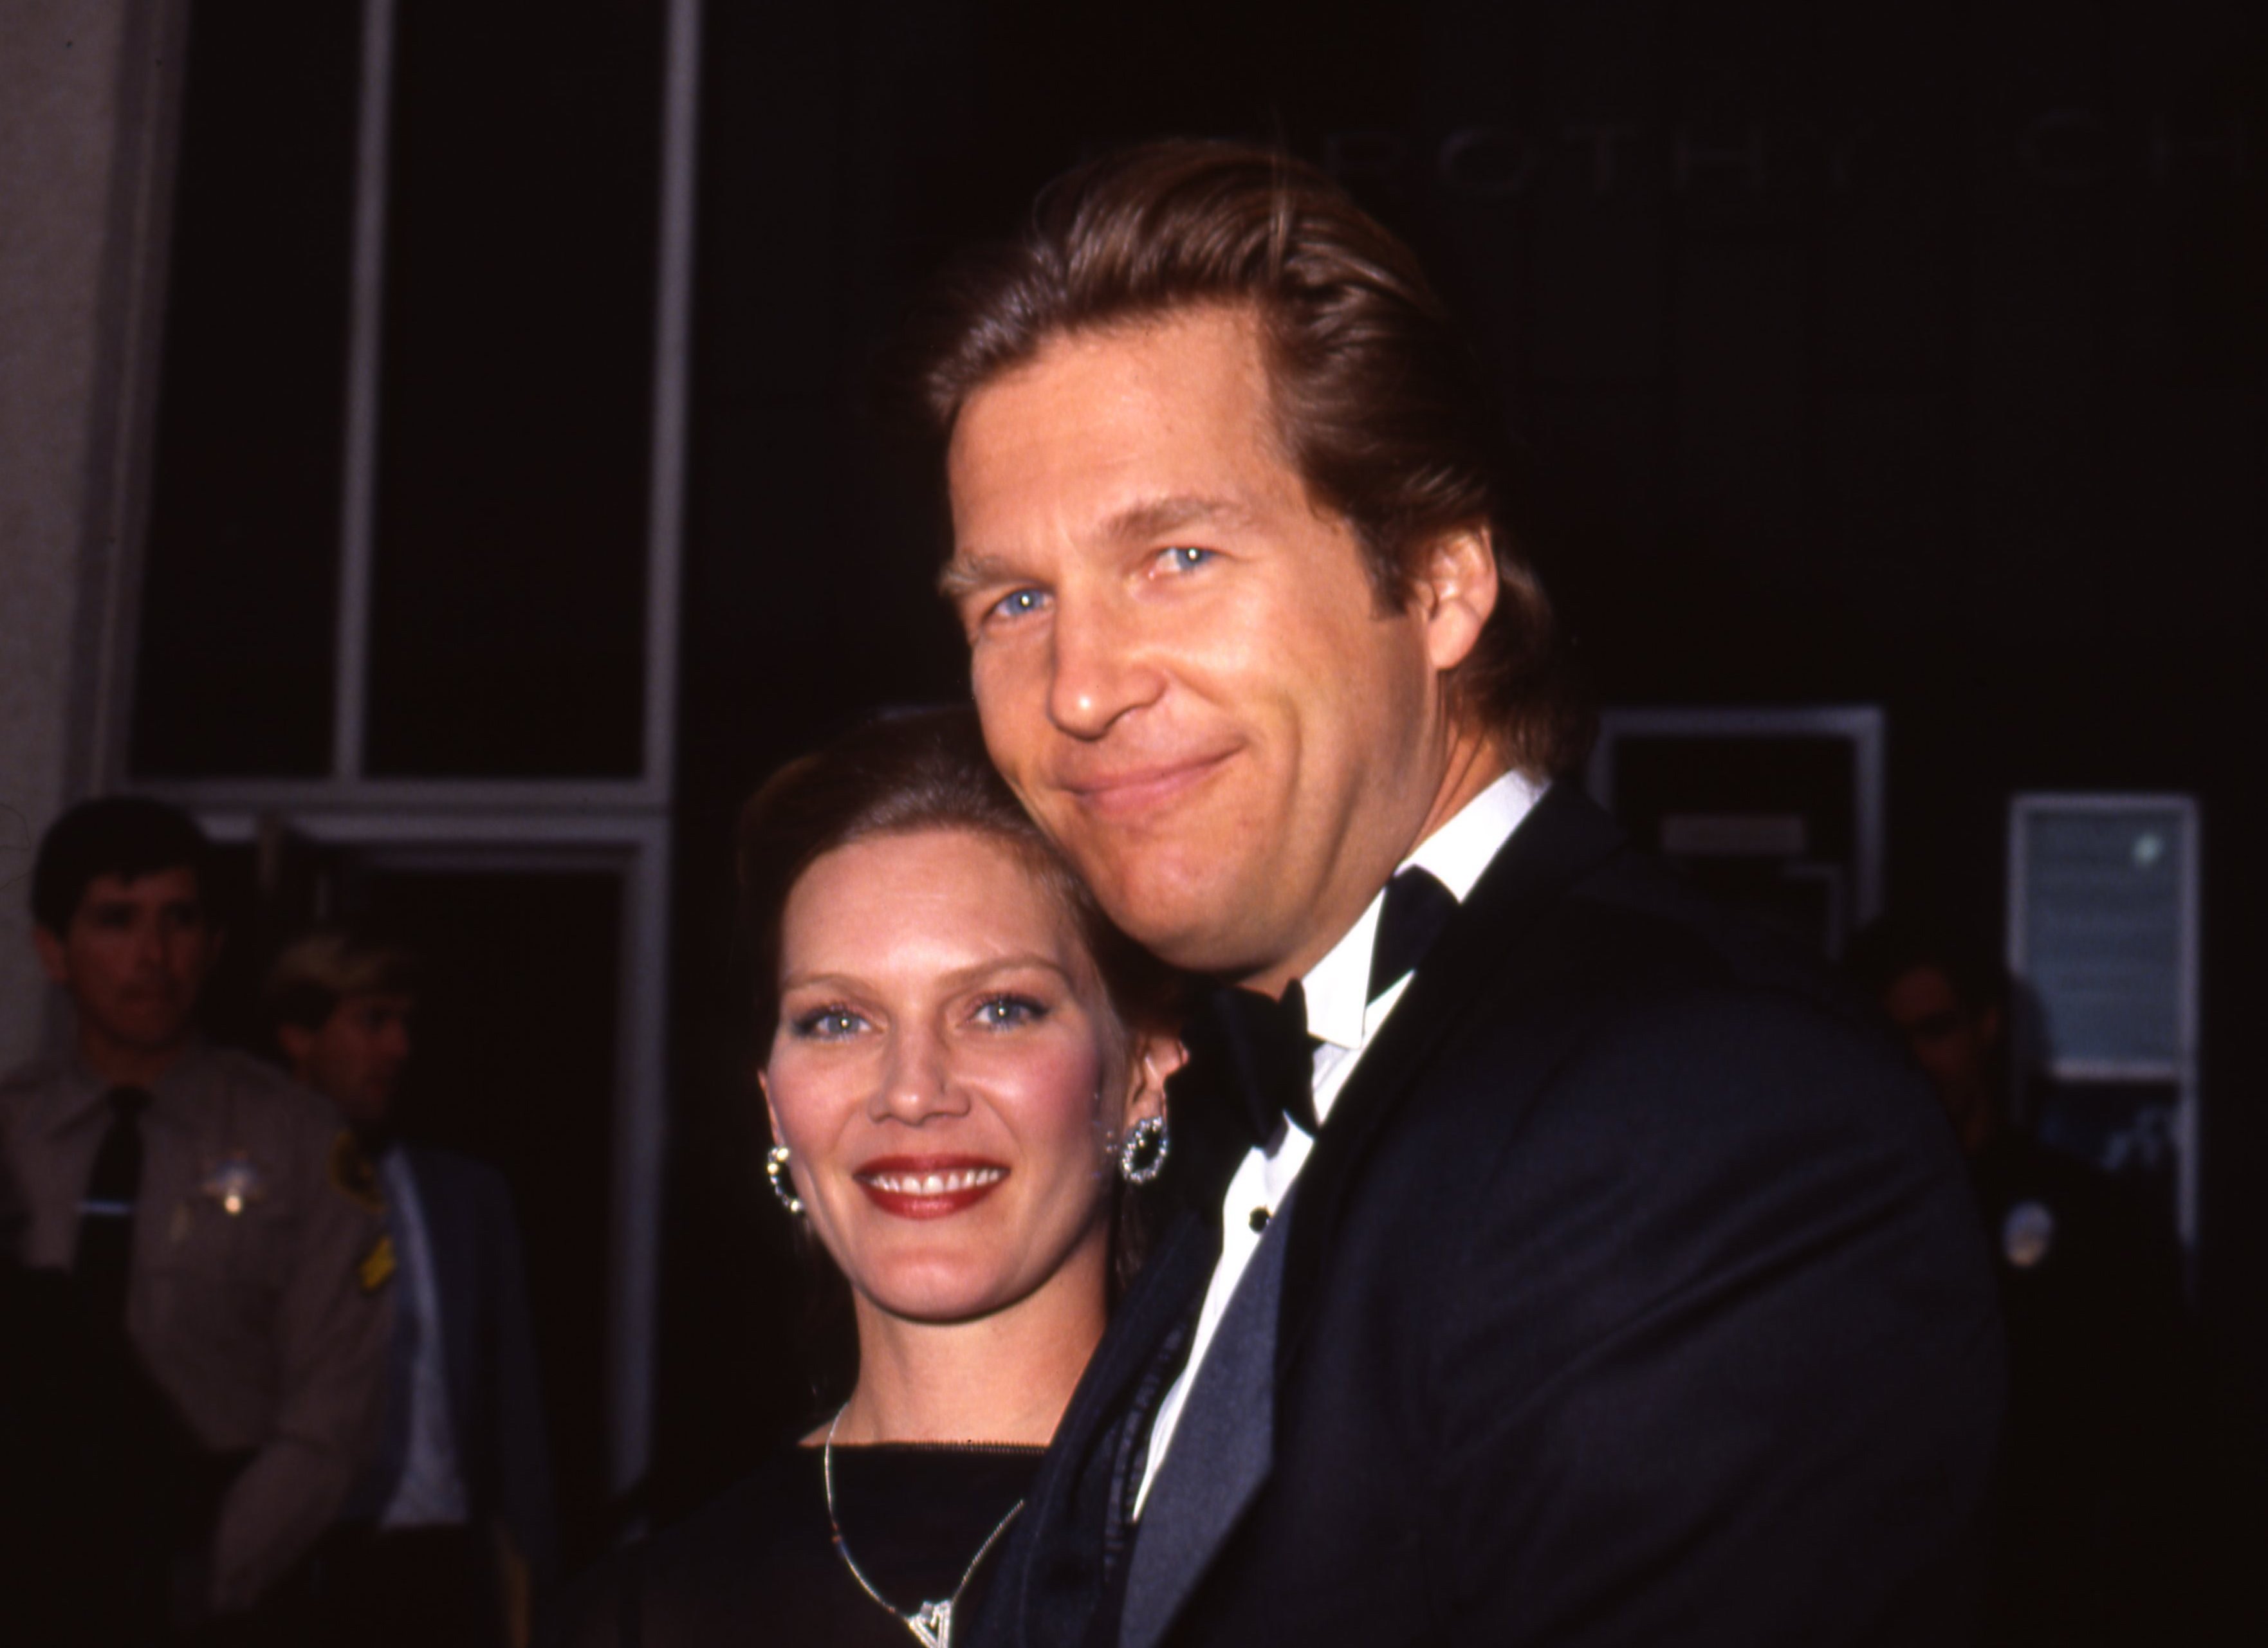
[257,1296]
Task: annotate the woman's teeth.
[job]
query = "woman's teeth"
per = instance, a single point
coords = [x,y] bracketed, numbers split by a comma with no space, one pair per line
[936,1183]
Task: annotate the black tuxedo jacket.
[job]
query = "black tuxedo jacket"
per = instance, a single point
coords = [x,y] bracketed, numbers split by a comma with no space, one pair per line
[1632,1293]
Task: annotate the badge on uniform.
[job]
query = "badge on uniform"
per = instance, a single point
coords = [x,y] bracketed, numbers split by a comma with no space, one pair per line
[352,1176]
[2027,1234]
[376,1265]
[235,1182]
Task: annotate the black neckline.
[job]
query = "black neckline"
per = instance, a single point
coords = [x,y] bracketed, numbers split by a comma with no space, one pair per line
[1008,1450]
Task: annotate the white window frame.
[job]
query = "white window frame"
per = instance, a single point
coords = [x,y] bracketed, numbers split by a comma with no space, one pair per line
[616,826]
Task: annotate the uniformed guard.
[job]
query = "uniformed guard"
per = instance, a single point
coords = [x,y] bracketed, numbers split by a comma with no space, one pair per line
[209,1210]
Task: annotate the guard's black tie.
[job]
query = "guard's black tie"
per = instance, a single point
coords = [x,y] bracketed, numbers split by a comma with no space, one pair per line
[105,1214]
[1418,908]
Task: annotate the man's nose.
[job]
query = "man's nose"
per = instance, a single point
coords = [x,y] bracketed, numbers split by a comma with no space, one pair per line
[918,1081]
[1099,668]
[150,946]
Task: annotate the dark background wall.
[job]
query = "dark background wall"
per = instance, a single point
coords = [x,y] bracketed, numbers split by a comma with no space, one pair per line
[1913,355]
[1907,354]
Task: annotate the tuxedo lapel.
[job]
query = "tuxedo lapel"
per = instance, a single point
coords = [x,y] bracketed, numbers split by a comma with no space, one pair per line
[1072,1531]
[1070,1536]
[1563,837]
[1223,1446]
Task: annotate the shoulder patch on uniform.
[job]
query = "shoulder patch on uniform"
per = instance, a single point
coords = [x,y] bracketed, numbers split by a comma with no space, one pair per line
[376,1265]
[352,1176]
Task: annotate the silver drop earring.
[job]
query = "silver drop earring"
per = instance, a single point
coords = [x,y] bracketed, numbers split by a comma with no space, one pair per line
[1142,1158]
[775,1161]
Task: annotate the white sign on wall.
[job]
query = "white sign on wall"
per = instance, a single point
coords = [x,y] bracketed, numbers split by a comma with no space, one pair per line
[2103,942]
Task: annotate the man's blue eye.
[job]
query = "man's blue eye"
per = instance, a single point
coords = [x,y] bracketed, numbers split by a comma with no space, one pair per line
[1019,602]
[1182,558]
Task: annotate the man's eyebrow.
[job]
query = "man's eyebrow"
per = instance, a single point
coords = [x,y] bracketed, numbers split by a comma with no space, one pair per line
[1154,517]
[968,570]
[964,573]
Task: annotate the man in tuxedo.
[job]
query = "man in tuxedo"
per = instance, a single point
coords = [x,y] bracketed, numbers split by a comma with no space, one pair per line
[1591,1272]
[448,1538]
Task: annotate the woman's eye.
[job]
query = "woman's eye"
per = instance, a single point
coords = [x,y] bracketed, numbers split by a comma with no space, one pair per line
[826,1024]
[1001,1012]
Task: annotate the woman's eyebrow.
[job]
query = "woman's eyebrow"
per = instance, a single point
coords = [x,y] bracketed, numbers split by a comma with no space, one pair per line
[958,977]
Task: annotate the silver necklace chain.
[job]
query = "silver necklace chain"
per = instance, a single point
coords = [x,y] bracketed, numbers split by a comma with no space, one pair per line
[932,1623]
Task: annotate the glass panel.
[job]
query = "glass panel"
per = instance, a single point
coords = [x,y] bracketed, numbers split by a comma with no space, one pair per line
[234,672]
[508,602]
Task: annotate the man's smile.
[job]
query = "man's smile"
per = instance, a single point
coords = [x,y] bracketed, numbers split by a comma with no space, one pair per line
[1127,790]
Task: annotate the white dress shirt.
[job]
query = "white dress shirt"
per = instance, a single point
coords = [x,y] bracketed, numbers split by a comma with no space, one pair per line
[1342,1016]
[432,1491]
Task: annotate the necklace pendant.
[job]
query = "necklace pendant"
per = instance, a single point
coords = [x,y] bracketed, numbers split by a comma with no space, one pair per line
[932,1624]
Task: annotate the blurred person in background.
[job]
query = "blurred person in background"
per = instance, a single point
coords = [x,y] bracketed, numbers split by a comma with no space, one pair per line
[960,1060]
[223,1234]
[2091,1521]
[448,1538]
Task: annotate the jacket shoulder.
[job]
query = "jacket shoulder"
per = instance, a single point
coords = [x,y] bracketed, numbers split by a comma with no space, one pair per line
[1632,1008]
[1644,929]
[280,1100]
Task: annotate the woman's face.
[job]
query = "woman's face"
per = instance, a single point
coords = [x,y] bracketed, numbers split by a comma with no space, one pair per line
[948,1076]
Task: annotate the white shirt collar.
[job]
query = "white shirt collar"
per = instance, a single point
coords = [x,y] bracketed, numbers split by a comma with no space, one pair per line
[1337,988]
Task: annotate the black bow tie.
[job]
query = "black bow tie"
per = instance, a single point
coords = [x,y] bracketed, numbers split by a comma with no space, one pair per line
[1260,1049]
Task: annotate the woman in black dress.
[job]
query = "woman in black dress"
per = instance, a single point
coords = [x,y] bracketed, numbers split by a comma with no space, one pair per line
[962,1060]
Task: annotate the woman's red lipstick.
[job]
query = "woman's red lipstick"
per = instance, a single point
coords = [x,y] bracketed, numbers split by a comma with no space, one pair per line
[929,1186]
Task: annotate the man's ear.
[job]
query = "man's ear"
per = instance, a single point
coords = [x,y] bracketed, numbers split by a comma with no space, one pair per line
[1456,591]
[1156,1056]
[299,1044]
[53,961]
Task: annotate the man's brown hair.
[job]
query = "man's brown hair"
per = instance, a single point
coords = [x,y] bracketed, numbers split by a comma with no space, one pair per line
[320,968]
[1378,404]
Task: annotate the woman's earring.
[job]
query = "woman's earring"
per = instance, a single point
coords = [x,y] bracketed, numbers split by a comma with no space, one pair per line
[1142,1158]
[776,1170]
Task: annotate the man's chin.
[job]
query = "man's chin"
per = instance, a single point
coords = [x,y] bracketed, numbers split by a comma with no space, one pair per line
[150,1035]
[1185,922]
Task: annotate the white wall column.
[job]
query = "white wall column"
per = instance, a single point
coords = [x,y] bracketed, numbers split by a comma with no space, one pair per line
[89,107]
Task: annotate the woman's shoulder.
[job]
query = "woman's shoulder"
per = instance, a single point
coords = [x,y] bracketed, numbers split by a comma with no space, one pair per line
[709,1573]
